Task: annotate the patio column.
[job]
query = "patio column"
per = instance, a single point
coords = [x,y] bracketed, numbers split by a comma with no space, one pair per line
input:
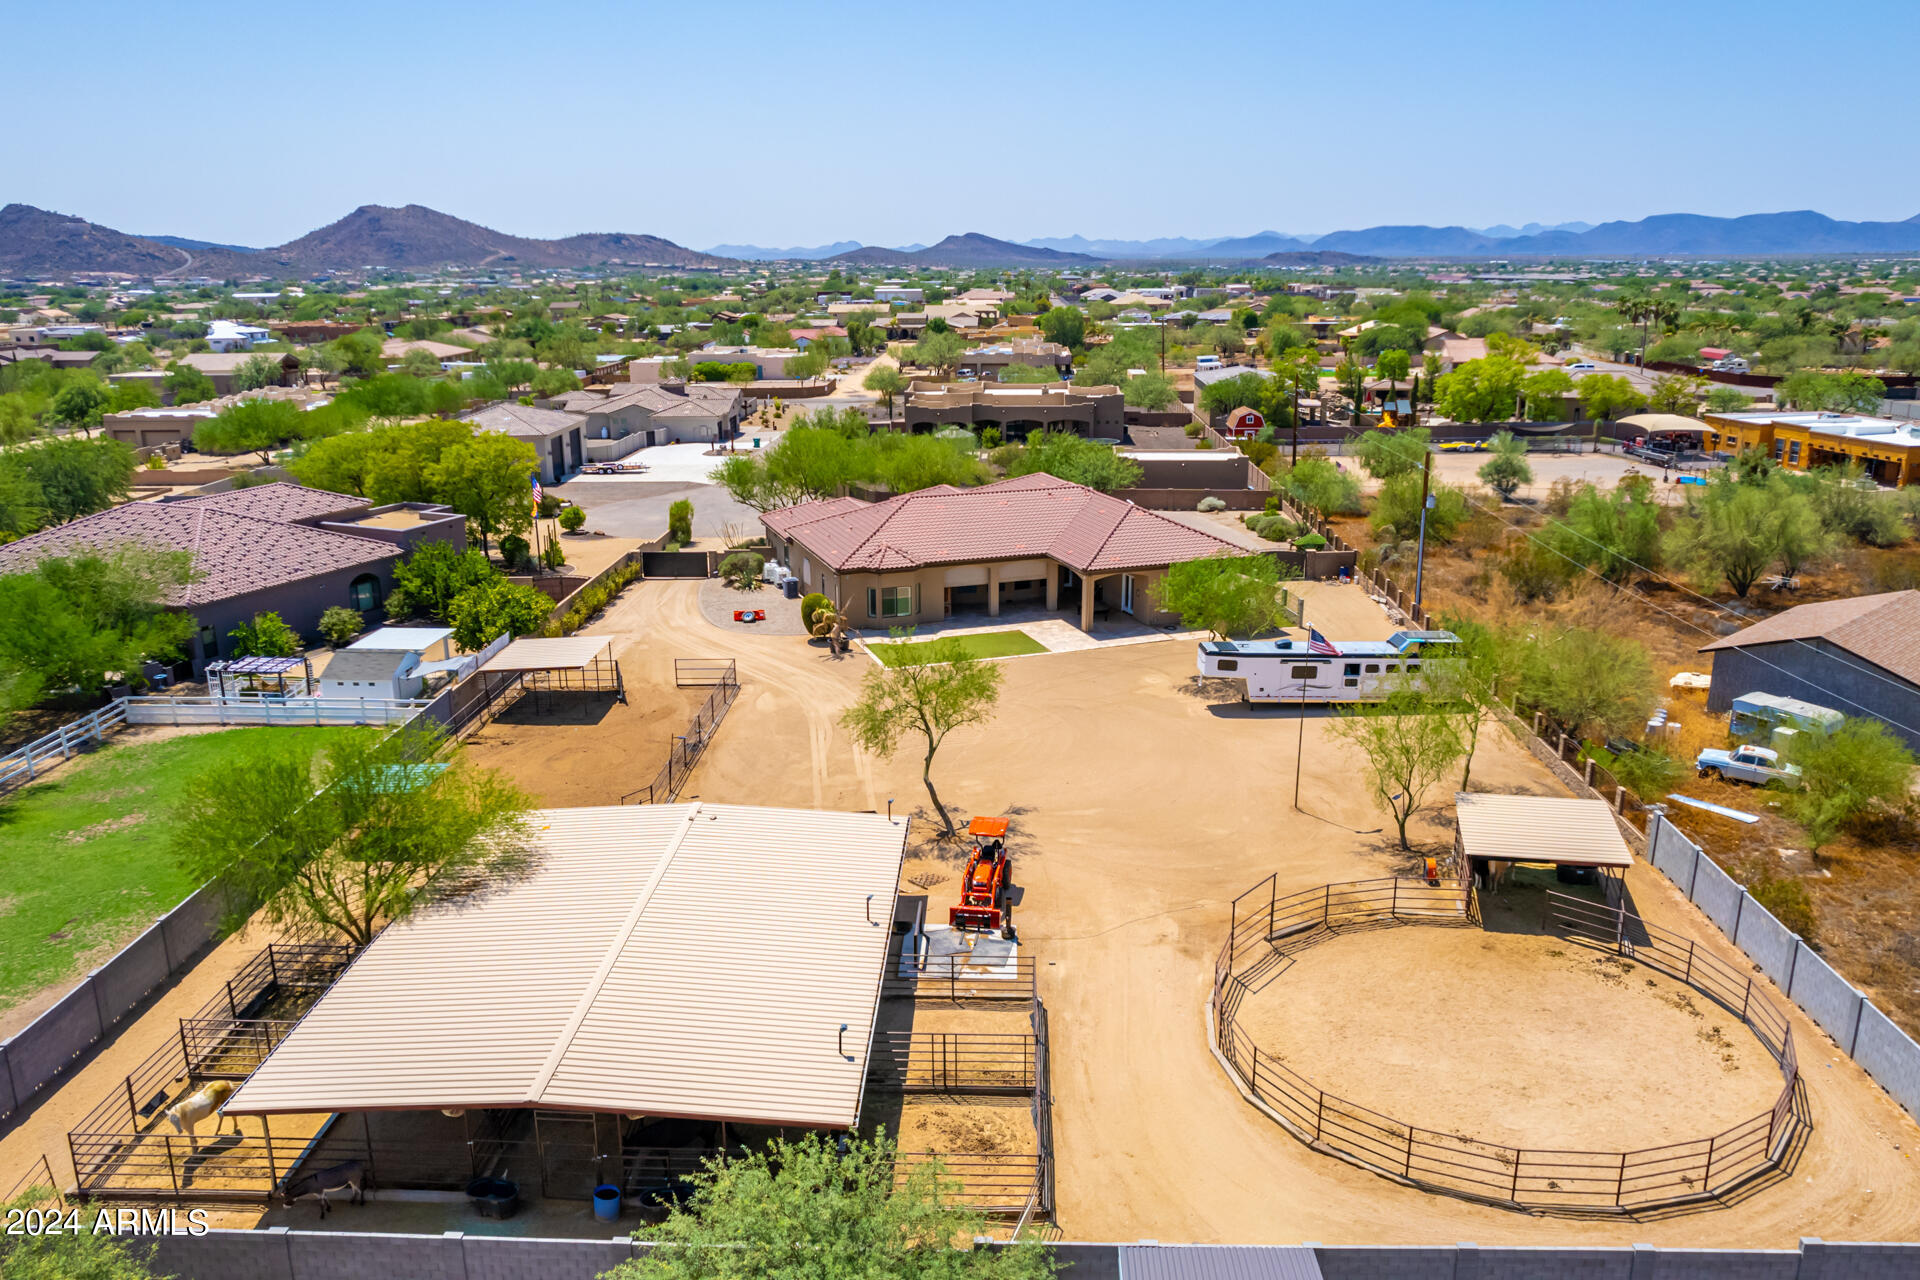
[1086,602]
[993,590]
[1053,586]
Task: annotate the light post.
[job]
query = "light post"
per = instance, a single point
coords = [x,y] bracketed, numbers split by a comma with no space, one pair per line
[1420,556]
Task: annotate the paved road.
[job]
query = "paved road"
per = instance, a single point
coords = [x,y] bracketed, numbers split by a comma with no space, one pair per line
[638,508]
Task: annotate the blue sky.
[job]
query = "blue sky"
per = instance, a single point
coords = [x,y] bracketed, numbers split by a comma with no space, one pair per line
[799,124]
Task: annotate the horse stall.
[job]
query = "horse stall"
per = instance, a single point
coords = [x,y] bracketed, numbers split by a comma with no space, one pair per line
[159,1135]
[664,983]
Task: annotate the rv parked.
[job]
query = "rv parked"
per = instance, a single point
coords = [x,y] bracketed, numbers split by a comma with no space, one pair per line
[1345,671]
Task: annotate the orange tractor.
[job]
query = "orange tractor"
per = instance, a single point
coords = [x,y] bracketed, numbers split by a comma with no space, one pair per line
[988,877]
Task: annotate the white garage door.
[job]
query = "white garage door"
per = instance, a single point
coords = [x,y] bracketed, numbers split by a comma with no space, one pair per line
[1025,570]
[967,575]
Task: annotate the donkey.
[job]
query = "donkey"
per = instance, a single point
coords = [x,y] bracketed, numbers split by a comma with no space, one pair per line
[339,1177]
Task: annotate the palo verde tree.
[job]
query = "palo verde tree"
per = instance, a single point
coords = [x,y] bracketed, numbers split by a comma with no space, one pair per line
[947,689]
[1226,595]
[1844,773]
[1408,743]
[351,830]
[814,1209]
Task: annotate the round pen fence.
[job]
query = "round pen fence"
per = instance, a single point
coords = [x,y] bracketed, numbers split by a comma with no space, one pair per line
[1267,928]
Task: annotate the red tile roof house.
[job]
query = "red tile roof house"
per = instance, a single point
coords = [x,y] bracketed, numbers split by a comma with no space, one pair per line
[923,556]
[282,548]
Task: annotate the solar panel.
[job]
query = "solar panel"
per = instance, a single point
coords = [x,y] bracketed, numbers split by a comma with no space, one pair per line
[263,666]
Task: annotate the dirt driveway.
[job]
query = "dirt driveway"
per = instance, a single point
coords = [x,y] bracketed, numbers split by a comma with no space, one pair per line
[1141,810]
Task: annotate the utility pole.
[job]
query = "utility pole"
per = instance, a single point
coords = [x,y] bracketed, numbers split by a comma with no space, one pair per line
[1420,560]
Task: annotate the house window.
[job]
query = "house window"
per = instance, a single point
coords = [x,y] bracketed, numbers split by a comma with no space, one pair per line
[1779,449]
[890,602]
[1373,668]
[1793,453]
[1308,672]
[364,594]
[1229,664]
[1353,668]
[1393,668]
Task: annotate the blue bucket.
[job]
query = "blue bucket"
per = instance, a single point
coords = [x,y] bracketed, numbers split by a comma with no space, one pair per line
[606,1202]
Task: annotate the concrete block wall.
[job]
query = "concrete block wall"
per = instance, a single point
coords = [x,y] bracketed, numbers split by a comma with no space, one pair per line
[281,1254]
[1886,1052]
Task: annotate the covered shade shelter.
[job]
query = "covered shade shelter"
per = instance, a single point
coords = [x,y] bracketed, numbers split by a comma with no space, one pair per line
[545,664]
[1578,838]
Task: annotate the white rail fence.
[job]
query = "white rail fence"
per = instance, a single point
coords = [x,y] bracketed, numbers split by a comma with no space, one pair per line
[23,765]
[294,711]
[1867,1035]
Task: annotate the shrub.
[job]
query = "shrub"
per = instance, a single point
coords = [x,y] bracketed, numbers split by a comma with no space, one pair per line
[339,625]
[1212,504]
[573,519]
[989,437]
[549,505]
[1786,897]
[741,570]
[1193,430]
[156,462]
[1649,772]
[1272,528]
[551,555]
[810,606]
[1272,507]
[1203,444]
[514,549]
[1310,542]
[680,522]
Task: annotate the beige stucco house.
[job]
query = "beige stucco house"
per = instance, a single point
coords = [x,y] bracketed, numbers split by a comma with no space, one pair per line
[1034,540]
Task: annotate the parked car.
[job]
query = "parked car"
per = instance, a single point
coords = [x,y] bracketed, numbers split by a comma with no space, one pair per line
[1755,765]
[1581,366]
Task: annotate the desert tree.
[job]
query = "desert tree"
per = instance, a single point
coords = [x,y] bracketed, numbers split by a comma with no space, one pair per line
[813,1208]
[1225,595]
[1408,743]
[1507,469]
[947,689]
[348,831]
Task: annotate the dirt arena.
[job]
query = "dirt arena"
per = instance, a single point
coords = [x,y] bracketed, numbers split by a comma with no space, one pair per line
[1140,809]
[1511,1038]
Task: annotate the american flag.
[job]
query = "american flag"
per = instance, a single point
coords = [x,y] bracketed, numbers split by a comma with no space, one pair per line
[536,491]
[1317,643]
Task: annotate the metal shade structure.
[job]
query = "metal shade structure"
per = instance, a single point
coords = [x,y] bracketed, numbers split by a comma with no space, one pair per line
[713,962]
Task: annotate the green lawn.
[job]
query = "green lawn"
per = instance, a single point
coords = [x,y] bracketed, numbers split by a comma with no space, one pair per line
[978,644]
[84,863]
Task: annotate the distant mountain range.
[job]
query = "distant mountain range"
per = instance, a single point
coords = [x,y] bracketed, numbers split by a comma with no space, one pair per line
[760,253]
[37,242]
[969,250]
[1679,234]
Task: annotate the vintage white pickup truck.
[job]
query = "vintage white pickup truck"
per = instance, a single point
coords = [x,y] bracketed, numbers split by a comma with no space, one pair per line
[1756,765]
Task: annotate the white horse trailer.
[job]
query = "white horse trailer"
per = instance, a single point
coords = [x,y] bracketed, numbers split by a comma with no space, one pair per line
[1291,671]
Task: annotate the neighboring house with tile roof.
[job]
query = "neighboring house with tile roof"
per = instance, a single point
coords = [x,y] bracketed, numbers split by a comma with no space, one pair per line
[279,548]
[923,556]
[623,416]
[1860,656]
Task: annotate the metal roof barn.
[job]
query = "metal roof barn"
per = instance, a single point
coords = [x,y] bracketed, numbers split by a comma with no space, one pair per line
[718,962]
